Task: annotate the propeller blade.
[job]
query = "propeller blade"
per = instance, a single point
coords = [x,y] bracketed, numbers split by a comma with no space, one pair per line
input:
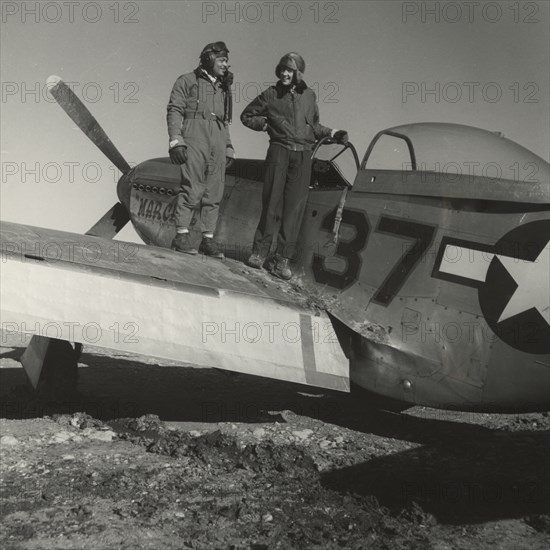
[40,348]
[80,115]
[110,223]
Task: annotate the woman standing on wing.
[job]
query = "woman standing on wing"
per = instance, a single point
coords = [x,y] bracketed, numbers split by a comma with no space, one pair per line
[289,113]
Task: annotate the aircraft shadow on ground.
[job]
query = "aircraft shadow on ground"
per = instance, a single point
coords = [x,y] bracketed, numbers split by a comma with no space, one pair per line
[462,473]
[501,475]
[118,387]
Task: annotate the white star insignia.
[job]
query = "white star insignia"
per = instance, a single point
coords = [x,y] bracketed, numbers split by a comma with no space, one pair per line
[532,278]
[533,290]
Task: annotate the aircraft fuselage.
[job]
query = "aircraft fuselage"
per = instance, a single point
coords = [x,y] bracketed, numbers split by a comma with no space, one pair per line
[418,290]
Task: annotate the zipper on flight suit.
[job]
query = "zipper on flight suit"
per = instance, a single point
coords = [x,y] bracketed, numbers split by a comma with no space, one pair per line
[292,95]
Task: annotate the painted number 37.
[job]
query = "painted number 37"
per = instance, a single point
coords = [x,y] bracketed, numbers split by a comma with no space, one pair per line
[351,252]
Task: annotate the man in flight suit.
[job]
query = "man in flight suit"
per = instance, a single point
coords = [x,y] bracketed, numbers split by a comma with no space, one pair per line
[288,112]
[198,115]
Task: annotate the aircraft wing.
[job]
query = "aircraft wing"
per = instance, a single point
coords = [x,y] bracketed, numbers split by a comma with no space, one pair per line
[152,301]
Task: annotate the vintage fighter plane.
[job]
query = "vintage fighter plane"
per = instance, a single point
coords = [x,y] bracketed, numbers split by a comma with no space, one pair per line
[422,274]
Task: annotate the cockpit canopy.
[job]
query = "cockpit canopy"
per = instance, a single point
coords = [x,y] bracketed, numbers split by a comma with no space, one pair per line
[454,149]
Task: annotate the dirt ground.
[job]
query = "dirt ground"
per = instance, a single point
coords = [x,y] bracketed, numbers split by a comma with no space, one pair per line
[171,456]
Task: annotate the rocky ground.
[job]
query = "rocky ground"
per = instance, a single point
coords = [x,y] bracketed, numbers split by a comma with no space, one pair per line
[171,456]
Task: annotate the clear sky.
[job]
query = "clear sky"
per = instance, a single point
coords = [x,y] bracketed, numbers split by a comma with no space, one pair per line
[373,65]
